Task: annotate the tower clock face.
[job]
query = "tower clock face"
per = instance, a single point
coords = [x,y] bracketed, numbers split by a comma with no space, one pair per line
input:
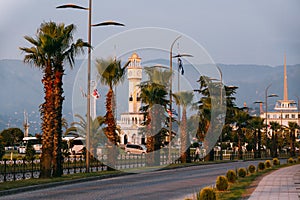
[139,73]
[135,73]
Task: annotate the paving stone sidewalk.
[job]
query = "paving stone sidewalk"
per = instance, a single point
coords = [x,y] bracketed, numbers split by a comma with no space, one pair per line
[282,184]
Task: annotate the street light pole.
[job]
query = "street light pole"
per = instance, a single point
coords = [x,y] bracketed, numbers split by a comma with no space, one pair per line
[170,117]
[266,101]
[221,103]
[178,78]
[266,104]
[106,23]
[88,128]
[298,106]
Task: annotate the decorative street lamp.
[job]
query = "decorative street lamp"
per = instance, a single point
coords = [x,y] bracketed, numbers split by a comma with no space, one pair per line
[170,118]
[298,106]
[90,25]
[180,67]
[221,103]
[266,107]
[266,103]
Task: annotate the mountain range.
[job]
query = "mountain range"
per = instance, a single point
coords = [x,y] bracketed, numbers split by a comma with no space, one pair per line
[22,90]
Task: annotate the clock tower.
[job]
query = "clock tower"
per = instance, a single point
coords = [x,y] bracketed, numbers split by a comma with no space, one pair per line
[131,121]
[134,75]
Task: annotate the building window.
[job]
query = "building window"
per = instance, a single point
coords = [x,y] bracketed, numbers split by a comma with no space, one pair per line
[293,116]
[286,116]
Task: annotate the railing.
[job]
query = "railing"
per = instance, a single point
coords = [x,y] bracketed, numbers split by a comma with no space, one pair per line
[13,170]
[234,155]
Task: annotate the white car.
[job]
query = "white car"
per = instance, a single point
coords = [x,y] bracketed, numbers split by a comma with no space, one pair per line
[135,149]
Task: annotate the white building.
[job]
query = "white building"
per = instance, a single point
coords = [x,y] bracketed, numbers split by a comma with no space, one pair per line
[131,120]
[285,110]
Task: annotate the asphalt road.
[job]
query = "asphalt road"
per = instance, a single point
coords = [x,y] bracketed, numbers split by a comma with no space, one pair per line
[159,185]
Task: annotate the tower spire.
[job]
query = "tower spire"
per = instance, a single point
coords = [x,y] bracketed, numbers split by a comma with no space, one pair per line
[285,84]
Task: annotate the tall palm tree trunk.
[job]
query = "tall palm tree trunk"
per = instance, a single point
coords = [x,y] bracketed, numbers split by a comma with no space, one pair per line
[183,136]
[110,130]
[57,137]
[240,145]
[292,143]
[47,123]
[150,141]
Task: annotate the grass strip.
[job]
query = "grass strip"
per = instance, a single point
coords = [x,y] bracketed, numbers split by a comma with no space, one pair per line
[239,188]
[39,181]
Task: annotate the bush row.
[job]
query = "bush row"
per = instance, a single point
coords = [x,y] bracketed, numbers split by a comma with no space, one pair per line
[222,182]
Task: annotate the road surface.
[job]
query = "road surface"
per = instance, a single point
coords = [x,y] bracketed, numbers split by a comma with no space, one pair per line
[159,185]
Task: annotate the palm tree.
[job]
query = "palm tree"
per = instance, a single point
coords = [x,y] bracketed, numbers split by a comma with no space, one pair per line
[185,99]
[241,121]
[111,74]
[293,126]
[204,106]
[153,96]
[52,46]
[276,127]
[257,124]
[98,136]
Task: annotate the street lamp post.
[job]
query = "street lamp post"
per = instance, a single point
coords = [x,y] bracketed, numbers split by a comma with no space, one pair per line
[298,106]
[106,23]
[266,108]
[178,77]
[266,104]
[221,103]
[170,117]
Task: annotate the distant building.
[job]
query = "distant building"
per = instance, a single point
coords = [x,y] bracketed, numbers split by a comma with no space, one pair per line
[131,120]
[285,110]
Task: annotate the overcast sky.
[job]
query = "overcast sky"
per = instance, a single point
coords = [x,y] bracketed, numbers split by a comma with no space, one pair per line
[232,31]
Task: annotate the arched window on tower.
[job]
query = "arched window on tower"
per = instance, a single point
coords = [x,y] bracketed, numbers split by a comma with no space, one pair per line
[130,98]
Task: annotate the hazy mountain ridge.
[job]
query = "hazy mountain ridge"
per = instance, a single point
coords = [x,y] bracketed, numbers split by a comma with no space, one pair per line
[21,87]
[252,81]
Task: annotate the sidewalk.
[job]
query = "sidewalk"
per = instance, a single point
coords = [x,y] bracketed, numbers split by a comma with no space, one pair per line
[282,184]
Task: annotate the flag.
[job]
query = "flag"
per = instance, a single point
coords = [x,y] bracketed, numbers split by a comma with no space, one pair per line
[180,66]
[172,113]
[96,94]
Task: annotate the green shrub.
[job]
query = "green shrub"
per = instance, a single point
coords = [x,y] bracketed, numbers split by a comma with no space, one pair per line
[268,164]
[222,183]
[298,158]
[290,161]
[2,150]
[261,166]
[30,153]
[251,169]
[276,161]
[242,172]
[207,193]
[231,176]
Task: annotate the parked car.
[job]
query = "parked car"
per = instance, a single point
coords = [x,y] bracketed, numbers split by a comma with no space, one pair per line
[135,149]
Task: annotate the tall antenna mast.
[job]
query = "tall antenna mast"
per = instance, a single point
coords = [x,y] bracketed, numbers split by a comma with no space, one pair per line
[285,84]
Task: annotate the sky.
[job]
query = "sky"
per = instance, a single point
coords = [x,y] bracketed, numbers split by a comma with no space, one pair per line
[231,31]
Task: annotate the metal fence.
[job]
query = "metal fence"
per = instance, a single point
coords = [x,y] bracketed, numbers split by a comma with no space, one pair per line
[13,170]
